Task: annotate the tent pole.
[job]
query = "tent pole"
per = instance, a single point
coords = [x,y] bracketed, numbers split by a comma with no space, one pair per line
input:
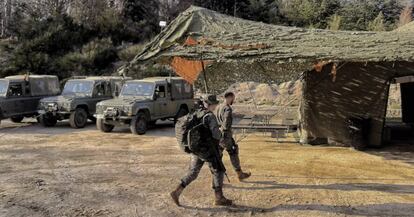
[204,75]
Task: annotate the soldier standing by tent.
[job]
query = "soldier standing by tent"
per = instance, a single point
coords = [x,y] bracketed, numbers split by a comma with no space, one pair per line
[225,118]
[210,136]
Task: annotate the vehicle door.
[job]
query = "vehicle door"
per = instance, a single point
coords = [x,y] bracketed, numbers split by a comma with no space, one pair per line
[31,99]
[101,91]
[161,101]
[15,100]
[175,94]
[188,95]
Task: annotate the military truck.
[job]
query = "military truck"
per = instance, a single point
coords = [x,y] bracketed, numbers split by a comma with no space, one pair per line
[20,95]
[143,102]
[78,100]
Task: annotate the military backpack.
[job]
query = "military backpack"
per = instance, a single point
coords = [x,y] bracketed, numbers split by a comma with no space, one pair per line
[188,131]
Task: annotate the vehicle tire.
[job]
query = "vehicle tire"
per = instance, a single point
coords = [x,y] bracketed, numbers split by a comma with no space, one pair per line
[78,118]
[181,112]
[106,128]
[47,120]
[139,124]
[17,119]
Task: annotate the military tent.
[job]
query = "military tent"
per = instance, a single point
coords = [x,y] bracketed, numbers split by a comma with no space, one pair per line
[345,74]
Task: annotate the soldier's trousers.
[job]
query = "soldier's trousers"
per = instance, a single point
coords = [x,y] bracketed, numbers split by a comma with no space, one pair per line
[195,167]
[232,149]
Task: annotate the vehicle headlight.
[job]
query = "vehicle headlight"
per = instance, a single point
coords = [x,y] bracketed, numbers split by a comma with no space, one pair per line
[128,110]
[50,106]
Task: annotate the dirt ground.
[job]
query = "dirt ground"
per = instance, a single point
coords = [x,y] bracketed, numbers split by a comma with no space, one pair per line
[65,172]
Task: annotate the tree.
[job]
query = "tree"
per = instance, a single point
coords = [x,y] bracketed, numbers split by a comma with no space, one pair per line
[309,12]
[266,11]
[237,8]
[140,19]
[88,12]
[5,16]
[358,15]
[334,22]
[391,9]
[406,15]
[378,24]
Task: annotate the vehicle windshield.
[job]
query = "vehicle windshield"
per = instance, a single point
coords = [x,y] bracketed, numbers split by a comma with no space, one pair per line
[137,89]
[78,88]
[3,87]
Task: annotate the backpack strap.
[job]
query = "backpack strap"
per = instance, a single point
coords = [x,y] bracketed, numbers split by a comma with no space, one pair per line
[203,118]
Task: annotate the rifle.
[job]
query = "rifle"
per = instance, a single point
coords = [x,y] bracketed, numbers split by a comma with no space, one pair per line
[220,162]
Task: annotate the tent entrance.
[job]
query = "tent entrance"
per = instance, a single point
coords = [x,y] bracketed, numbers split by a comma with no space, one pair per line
[399,123]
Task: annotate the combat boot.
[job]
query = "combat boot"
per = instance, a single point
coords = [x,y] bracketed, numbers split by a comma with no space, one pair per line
[175,195]
[221,200]
[241,175]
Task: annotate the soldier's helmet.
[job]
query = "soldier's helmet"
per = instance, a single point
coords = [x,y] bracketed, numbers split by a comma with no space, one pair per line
[210,99]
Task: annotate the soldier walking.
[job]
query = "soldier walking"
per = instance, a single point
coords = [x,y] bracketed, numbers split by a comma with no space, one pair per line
[225,119]
[209,141]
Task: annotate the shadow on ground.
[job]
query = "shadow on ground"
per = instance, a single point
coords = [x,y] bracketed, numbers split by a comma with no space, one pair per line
[386,209]
[398,151]
[389,188]
[29,126]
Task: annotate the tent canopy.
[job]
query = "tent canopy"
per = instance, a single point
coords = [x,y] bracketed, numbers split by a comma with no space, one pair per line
[199,33]
[347,72]
[199,36]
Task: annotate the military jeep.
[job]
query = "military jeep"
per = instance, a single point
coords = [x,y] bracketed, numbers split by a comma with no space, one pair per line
[142,102]
[20,95]
[78,100]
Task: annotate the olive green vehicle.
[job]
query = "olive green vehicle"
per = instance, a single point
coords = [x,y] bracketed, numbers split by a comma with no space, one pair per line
[78,100]
[142,102]
[20,95]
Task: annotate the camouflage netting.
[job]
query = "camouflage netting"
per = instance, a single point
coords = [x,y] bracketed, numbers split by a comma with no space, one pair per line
[347,73]
[220,38]
[356,90]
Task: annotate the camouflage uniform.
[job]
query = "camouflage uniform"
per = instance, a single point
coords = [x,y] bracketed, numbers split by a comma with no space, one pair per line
[211,138]
[225,119]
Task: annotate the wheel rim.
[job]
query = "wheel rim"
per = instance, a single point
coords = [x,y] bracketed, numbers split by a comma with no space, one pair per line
[141,124]
[80,119]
